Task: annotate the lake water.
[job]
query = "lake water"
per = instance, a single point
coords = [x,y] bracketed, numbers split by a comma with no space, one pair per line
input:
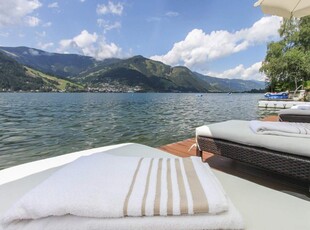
[41,125]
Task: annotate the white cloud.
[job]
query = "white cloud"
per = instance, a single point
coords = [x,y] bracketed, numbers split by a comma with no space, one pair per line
[110,8]
[240,72]
[82,0]
[53,5]
[33,52]
[106,25]
[172,14]
[65,44]
[90,45]
[198,48]
[85,39]
[32,21]
[45,46]
[14,11]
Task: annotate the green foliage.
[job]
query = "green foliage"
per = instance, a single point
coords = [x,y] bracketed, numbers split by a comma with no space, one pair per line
[287,62]
[13,76]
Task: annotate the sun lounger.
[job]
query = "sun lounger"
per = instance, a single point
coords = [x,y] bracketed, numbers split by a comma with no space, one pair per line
[288,156]
[261,207]
[294,115]
[103,191]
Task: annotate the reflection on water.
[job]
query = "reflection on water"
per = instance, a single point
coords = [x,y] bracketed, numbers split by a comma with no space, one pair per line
[40,125]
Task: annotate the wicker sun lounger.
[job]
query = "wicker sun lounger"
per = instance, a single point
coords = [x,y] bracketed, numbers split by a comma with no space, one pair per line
[239,147]
[294,115]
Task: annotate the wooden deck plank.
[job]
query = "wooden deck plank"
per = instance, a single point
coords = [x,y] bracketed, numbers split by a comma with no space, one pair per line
[270,118]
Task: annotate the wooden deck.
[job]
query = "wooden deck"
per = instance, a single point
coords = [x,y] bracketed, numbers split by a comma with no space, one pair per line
[245,171]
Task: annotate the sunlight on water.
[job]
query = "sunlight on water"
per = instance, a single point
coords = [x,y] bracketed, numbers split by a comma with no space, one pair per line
[38,125]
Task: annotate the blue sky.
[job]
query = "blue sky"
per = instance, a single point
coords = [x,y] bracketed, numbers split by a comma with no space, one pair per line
[221,38]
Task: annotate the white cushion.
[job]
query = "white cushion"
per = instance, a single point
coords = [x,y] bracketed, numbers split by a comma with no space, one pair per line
[239,131]
[295,112]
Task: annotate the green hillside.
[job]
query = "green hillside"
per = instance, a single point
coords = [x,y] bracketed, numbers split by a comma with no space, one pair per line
[152,75]
[62,65]
[13,76]
[56,72]
[231,85]
[54,82]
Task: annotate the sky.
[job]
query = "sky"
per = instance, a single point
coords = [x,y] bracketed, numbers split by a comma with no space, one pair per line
[220,38]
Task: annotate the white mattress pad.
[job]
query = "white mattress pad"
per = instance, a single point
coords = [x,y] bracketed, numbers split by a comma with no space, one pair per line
[239,131]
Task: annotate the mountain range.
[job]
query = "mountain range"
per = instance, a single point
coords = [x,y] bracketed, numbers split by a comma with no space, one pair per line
[24,68]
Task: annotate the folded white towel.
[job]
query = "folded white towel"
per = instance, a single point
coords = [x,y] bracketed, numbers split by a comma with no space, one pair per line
[226,220]
[104,186]
[281,128]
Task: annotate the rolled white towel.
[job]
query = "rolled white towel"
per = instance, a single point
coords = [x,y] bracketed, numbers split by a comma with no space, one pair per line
[301,107]
[281,128]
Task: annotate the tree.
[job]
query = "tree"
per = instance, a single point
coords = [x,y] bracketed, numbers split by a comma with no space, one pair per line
[287,62]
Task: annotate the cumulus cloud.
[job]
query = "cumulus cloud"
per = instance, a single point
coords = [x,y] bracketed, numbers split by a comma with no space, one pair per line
[15,12]
[90,45]
[32,21]
[110,8]
[107,25]
[240,72]
[198,48]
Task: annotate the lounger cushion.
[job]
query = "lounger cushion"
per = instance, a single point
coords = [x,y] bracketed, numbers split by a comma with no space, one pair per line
[295,111]
[239,131]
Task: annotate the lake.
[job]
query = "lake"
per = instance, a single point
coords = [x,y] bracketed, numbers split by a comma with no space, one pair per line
[41,125]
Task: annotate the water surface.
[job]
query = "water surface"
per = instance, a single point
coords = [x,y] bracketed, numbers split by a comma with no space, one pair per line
[40,125]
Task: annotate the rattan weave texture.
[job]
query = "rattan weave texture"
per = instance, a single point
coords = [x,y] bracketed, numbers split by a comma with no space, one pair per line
[294,118]
[291,165]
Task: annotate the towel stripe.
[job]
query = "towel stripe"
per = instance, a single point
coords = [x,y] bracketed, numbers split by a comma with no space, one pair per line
[158,189]
[183,197]
[146,188]
[169,188]
[125,208]
[187,181]
[200,201]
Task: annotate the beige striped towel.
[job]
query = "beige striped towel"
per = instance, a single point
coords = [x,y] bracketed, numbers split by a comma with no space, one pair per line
[104,186]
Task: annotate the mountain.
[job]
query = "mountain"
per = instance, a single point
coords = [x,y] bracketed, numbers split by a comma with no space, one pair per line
[231,85]
[118,75]
[15,77]
[147,74]
[62,65]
